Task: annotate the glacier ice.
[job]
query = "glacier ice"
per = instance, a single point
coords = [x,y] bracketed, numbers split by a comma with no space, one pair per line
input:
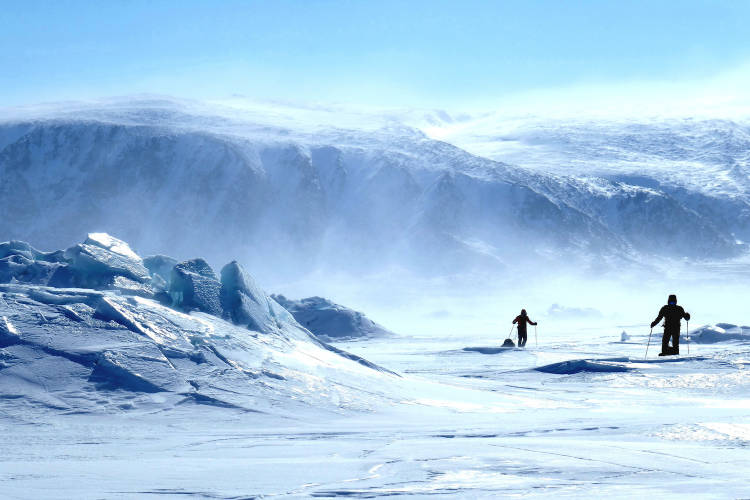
[17,248]
[21,262]
[245,304]
[104,338]
[160,267]
[112,244]
[96,267]
[193,285]
[25,269]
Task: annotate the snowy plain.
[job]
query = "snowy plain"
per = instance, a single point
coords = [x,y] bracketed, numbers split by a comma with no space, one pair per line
[462,424]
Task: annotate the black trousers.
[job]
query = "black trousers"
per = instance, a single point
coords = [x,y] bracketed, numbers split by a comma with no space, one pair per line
[674,334]
[521,338]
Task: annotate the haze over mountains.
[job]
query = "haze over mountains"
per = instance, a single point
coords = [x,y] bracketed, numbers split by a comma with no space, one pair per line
[287,195]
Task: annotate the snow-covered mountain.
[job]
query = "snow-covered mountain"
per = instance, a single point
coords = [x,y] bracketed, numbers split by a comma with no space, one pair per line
[702,163]
[171,177]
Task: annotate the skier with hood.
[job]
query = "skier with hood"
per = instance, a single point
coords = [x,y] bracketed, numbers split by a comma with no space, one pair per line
[672,315]
[522,319]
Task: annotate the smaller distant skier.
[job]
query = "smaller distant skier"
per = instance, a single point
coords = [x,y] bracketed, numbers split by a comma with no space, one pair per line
[673,316]
[522,319]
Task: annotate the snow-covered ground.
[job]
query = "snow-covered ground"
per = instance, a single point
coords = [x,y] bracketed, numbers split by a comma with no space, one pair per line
[125,377]
[581,415]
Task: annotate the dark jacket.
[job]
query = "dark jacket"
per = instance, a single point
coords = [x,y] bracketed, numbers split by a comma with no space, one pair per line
[672,314]
[522,320]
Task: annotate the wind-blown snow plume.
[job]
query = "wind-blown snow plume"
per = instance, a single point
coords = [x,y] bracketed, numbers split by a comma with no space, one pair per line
[175,178]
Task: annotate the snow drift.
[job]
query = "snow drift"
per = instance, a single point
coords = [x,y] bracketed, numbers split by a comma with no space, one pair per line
[721,332]
[330,321]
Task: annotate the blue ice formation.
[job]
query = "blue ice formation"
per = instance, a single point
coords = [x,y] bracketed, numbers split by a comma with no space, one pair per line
[105,263]
[245,303]
[193,285]
[98,263]
[78,322]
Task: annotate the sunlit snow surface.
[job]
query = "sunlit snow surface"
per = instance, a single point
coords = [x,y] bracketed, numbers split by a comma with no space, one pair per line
[460,423]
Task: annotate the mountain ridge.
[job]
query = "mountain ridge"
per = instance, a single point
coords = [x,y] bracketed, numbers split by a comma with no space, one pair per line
[172,181]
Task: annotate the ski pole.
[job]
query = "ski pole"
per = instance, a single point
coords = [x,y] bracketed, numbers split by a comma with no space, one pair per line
[649,341]
[536,340]
[511,331]
[687,335]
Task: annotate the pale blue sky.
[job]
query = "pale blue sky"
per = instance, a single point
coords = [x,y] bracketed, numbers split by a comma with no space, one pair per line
[420,53]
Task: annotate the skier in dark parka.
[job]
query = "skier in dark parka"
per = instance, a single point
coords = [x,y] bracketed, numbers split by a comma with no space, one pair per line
[672,314]
[522,319]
